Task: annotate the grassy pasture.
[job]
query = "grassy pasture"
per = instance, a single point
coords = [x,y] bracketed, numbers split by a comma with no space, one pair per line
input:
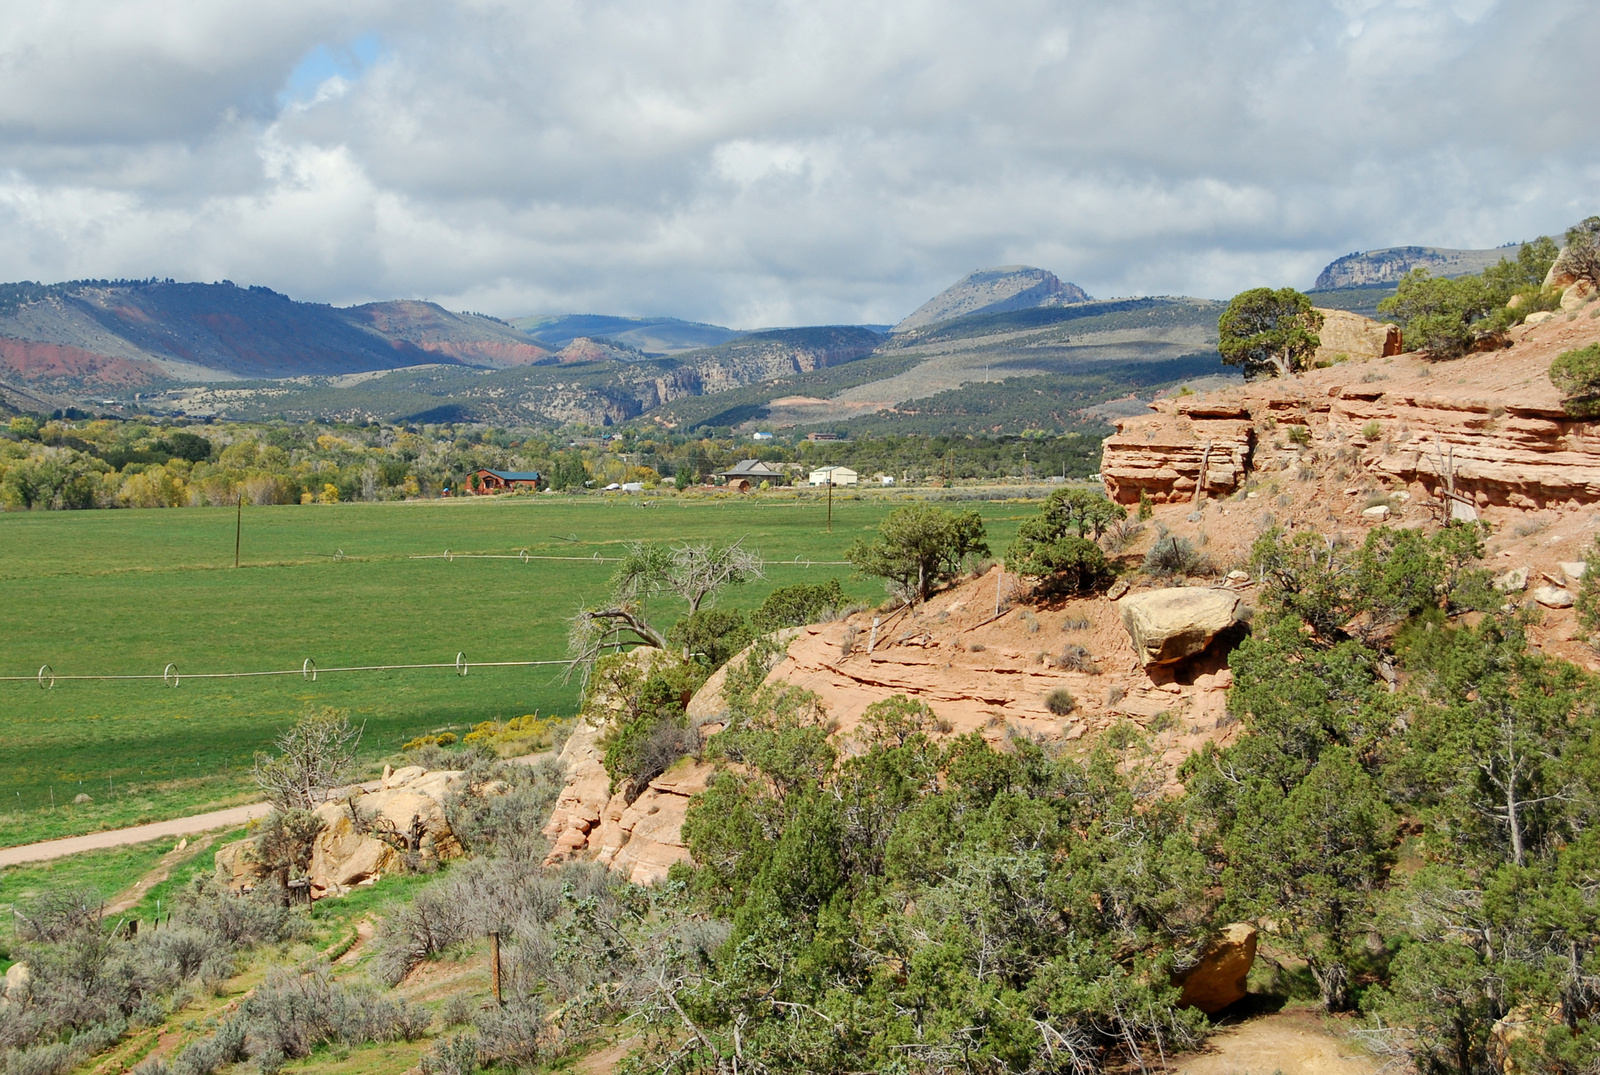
[130,591]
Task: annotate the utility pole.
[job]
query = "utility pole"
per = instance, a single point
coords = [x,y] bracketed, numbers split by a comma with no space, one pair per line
[830,503]
[238,528]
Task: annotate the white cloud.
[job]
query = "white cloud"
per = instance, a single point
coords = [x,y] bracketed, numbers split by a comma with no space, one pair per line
[779,163]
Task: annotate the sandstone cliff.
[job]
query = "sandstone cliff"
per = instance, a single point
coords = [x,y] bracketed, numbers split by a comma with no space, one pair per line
[1486,429]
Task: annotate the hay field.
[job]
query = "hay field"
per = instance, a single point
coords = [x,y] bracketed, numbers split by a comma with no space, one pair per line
[121,592]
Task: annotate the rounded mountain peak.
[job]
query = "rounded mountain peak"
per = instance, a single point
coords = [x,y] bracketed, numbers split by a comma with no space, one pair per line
[993,291]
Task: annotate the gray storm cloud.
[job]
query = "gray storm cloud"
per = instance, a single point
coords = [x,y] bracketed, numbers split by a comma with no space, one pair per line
[759,164]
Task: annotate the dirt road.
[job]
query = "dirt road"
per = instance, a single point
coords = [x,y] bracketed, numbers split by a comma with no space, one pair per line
[181,826]
[137,834]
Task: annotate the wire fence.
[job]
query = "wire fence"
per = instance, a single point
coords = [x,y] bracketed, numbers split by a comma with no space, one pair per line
[47,677]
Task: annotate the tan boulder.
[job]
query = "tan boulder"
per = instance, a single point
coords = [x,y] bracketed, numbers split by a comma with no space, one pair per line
[1353,336]
[236,869]
[1218,978]
[584,799]
[1169,625]
[409,809]
[708,703]
[18,982]
[1577,296]
[1555,597]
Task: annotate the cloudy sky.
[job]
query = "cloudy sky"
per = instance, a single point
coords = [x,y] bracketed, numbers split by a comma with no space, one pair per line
[778,162]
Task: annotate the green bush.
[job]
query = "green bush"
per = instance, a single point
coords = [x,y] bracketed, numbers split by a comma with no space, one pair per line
[1173,555]
[1577,375]
[711,635]
[795,606]
[1060,702]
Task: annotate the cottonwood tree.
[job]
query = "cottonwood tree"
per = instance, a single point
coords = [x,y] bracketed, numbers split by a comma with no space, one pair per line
[314,757]
[1269,332]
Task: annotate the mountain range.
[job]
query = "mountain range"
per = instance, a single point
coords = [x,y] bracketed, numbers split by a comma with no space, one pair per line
[1043,351]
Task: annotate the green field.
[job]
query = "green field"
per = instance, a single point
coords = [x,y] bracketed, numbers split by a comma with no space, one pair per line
[128,592]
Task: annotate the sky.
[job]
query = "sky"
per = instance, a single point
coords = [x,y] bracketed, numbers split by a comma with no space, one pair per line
[778,162]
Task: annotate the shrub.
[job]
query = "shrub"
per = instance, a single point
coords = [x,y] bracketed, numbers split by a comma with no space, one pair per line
[458,1055]
[710,636]
[1060,702]
[1300,436]
[1372,430]
[1173,555]
[795,606]
[1077,659]
[1577,375]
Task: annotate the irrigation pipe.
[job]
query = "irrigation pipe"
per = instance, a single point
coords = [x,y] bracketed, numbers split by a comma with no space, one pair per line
[525,556]
[47,677]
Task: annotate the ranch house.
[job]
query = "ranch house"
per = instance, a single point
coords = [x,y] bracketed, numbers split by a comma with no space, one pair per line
[504,481]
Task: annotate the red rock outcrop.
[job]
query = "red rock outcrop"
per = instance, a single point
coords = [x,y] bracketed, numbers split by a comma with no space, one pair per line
[1485,429]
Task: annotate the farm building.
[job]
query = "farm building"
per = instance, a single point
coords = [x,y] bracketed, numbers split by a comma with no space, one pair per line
[834,476]
[504,481]
[751,473]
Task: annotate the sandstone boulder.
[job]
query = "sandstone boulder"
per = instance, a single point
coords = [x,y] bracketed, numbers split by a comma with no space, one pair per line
[1573,570]
[1577,296]
[18,982]
[355,848]
[1354,336]
[1513,581]
[1520,1024]
[1555,597]
[1169,625]
[1218,979]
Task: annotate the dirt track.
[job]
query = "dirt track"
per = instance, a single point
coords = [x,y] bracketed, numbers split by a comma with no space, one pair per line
[137,834]
[178,826]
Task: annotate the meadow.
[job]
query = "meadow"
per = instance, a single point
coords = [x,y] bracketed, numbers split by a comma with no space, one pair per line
[132,591]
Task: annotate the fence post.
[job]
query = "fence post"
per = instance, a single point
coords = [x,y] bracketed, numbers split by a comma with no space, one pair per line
[494,963]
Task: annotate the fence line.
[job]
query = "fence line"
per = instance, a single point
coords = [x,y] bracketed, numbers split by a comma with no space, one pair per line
[526,556]
[308,670]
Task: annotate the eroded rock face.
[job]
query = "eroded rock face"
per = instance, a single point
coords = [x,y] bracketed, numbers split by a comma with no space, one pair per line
[1189,448]
[1218,979]
[1168,625]
[1487,429]
[641,839]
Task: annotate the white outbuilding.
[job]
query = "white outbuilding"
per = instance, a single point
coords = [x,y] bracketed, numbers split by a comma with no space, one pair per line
[834,476]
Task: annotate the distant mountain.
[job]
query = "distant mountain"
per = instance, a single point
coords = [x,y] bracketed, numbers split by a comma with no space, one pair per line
[653,335]
[1378,267]
[597,382]
[95,335]
[993,291]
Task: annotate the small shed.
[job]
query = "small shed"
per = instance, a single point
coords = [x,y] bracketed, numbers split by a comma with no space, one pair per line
[834,476]
[504,481]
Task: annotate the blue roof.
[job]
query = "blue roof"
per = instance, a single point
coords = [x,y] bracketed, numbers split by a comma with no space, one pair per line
[515,475]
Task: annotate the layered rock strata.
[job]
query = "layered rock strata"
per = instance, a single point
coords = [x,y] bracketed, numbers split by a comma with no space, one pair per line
[1485,429]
